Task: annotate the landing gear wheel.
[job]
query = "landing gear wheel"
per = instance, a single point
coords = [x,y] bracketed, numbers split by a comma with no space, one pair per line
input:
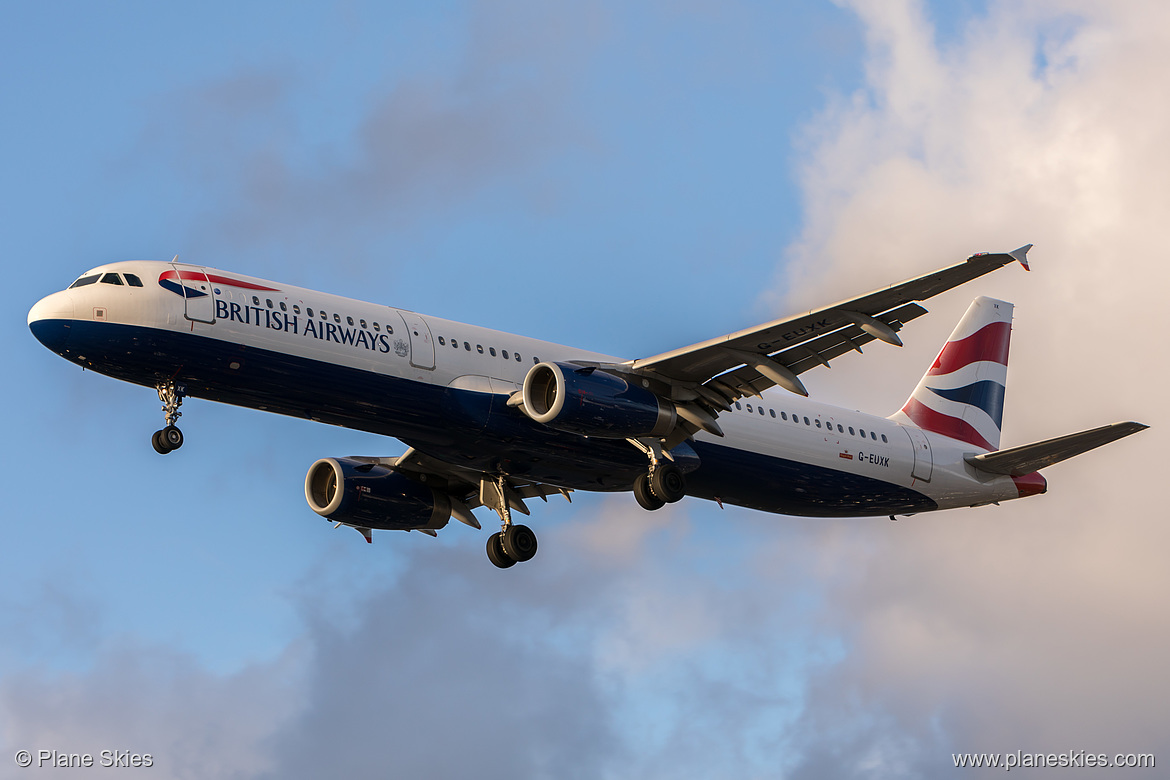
[645,496]
[519,543]
[171,438]
[668,483]
[496,554]
[156,441]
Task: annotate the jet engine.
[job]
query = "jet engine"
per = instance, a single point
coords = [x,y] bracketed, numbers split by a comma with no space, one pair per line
[592,402]
[374,496]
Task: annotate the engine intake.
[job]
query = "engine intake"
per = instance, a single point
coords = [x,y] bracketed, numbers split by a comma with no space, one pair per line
[364,494]
[594,403]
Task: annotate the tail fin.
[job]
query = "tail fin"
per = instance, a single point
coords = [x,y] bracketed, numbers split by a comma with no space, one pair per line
[961,396]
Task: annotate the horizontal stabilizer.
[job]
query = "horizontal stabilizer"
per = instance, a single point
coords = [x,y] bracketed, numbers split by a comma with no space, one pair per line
[1018,461]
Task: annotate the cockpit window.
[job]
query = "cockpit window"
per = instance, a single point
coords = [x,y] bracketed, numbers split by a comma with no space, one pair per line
[112,279]
[84,281]
[133,280]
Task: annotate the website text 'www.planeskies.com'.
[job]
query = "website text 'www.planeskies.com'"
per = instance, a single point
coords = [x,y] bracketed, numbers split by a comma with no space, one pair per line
[1070,758]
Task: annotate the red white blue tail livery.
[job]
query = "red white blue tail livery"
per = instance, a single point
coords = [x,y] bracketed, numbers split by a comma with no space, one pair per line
[961,396]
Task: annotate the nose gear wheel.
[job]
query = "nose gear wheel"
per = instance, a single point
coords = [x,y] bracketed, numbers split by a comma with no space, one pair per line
[169,438]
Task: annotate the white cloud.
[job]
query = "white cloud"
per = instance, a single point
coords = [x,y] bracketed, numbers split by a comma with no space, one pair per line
[1041,623]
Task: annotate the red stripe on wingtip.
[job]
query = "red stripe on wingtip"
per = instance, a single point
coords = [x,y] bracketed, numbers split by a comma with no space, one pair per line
[989,343]
[936,422]
[1031,484]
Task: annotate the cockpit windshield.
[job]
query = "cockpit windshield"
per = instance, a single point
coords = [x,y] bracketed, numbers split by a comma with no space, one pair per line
[85,280]
[108,278]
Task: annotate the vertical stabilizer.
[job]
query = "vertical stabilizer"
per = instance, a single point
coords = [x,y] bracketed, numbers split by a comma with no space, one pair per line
[961,396]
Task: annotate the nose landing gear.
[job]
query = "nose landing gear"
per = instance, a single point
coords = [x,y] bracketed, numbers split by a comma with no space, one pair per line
[169,438]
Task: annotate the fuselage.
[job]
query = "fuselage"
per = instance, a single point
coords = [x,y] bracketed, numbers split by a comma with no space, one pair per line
[441,387]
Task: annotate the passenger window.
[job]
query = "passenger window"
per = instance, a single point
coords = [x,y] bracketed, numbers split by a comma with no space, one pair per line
[492,350]
[749,407]
[818,423]
[269,302]
[389,329]
[83,281]
[112,279]
[517,357]
[884,439]
[467,345]
[851,433]
[297,309]
[806,422]
[133,280]
[504,354]
[349,321]
[873,435]
[784,416]
[376,328]
[761,410]
[255,300]
[737,406]
[479,348]
[324,316]
[862,430]
[283,307]
[455,343]
[337,318]
[363,322]
[772,412]
[310,311]
[840,429]
[535,360]
[442,343]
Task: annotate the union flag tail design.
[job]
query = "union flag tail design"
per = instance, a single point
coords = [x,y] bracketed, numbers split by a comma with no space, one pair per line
[961,396]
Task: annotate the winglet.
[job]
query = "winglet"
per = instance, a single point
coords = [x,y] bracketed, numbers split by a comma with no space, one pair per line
[1021,254]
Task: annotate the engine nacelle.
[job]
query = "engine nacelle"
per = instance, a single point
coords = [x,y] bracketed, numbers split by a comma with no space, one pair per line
[594,403]
[364,494]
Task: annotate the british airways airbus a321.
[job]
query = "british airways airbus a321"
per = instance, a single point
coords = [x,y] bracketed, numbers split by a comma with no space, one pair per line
[492,419]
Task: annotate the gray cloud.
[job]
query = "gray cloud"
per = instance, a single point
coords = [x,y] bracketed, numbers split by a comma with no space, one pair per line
[423,144]
[601,657]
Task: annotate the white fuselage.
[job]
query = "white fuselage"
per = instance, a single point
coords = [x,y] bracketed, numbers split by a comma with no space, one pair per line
[259,343]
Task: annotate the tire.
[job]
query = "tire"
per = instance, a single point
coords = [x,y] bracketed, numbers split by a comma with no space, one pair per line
[646,498]
[519,543]
[159,445]
[171,437]
[496,554]
[668,483]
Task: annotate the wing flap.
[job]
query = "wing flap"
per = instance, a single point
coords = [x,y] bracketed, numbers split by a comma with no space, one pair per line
[1018,461]
[747,380]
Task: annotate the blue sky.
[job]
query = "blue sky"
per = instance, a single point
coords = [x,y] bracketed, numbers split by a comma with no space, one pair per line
[621,177]
[644,160]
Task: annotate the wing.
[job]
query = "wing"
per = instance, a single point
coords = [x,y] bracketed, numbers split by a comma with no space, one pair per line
[717,372]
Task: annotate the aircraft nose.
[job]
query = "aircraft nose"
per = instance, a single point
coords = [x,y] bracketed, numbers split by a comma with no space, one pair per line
[50,320]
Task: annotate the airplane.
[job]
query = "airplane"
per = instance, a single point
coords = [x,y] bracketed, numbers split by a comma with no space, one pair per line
[491,418]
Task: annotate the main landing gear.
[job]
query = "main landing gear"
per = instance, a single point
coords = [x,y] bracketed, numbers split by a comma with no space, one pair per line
[169,438]
[664,483]
[514,543]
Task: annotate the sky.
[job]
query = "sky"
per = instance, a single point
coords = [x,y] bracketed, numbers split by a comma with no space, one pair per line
[626,178]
